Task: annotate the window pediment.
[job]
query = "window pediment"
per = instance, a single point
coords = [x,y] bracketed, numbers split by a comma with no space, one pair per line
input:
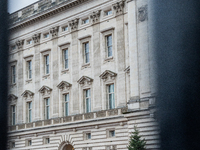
[45,90]
[27,94]
[85,80]
[12,97]
[108,75]
[64,85]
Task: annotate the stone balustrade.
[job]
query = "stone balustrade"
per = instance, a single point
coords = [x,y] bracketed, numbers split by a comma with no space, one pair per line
[73,118]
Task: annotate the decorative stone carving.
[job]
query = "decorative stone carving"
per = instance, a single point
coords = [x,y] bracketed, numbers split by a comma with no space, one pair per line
[20,44]
[27,94]
[64,85]
[36,38]
[108,75]
[95,16]
[127,70]
[85,80]
[54,31]
[45,90]
[142,13]
[119,7]
[74,24]
[112,147]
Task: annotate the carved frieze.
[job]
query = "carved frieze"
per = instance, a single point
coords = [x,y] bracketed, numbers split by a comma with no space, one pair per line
[119,7]
[20,44]
[27,94]
[84,81]
[64,85]
[142,13]
[36,38]
[54,31]
[74,24]
[108,75]
[45,90]
[95,16]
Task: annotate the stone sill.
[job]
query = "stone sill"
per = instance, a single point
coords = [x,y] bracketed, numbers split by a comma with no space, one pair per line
[46,76]
[108,59]
[87,65]
[72,118]
[28,80]
[65,71]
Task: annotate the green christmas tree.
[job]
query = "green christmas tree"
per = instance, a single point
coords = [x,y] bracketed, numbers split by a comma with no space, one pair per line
[136,143]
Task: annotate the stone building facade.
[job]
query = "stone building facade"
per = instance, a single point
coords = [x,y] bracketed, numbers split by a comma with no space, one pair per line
[81,75]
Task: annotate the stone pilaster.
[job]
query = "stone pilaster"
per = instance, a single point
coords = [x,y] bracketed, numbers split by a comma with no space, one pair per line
[75,72]
[120,50]
[55,72]
[133,51]
[97,101]
[37,77]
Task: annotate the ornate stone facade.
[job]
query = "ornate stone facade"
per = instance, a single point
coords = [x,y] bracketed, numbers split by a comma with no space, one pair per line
[81,75]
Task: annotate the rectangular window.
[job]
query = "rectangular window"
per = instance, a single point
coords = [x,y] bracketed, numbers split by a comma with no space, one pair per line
[47,64]
[47,140]
[29,142]
[111,96]
[46,35]
[29,42]
[13,114]
[86,48]
[109,12]
[112,133]
[66,58]
[13,72]
[47,108]
[85,21]
[109,45]
[29,111]
[29,73]
[65,28]
[88,136]
[12,144]
[87,101]
[66,97]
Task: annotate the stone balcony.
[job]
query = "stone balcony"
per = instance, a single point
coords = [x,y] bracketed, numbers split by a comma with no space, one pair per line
[68,119]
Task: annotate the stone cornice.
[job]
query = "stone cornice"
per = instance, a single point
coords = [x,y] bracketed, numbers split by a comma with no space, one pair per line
[42,14]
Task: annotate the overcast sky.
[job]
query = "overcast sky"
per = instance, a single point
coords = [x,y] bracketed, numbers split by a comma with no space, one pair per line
[14,5]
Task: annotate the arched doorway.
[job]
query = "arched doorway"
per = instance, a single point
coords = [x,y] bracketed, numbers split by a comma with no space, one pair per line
[68,147]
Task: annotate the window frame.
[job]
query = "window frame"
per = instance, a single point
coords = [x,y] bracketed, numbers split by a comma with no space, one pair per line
[66,102]
[65,58]
[86,48]
[47,108]
[29,69]
[13,115]
[87,99]
[85,21]
[29,111]
[29,42]
[109,46]
[13,74]
[111,93]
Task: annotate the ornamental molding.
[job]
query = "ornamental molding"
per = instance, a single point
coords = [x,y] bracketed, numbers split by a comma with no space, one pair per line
[54,31]
[38,15]
[64,85]
[119,7]
[27,94]
[142,13]
[45,90]
[95,16]
[36,38]
[20,44]
[108,75]
[74,24]
[12,97]
[84,80]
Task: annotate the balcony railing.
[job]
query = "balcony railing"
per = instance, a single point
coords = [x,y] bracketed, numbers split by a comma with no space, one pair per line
[73,118]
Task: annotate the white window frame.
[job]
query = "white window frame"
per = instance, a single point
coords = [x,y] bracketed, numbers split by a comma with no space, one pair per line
[86,47]
[85,21]
[47,64]
[65,58]
[13,114]
[13,74]
[47,108]
[111,102]
[87,100]
[66,102]
[65,28]
[108,12]
[108,45]
[29,69]
[29,111]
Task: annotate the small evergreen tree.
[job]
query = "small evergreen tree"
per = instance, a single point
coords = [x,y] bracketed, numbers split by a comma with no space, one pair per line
[135,142]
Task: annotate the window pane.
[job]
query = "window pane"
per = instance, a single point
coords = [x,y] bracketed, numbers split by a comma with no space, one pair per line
[66,109]
[88,105]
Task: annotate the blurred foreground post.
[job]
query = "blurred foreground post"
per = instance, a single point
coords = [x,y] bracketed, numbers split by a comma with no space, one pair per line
[176,38]
[3,73]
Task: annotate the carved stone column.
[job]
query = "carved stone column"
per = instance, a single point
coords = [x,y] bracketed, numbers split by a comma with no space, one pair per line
[120,50]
